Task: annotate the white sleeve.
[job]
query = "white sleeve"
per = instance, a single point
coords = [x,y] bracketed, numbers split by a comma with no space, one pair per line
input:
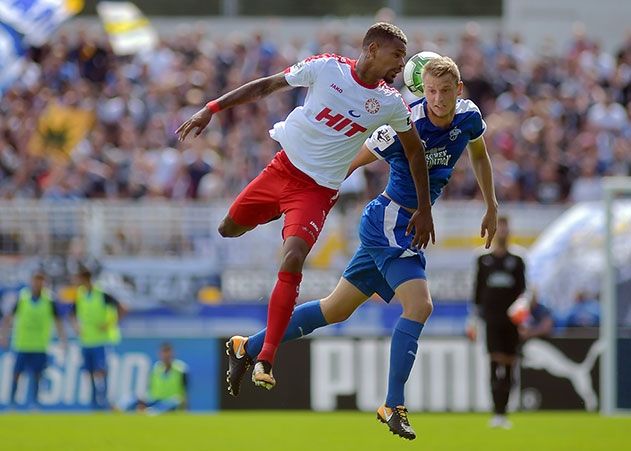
[304,72]
[381,139]
[401,121]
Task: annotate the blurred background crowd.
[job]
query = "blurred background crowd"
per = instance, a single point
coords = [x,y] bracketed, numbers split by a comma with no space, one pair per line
[558,118]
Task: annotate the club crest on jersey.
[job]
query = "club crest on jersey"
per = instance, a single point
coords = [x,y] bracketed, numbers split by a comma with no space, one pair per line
[453,134]
[372,105]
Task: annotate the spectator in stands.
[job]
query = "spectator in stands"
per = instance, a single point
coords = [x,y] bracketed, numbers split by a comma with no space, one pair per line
[584,313]
[557,103]
[588,185]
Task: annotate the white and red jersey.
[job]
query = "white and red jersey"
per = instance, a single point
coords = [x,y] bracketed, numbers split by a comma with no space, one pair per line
[322,137]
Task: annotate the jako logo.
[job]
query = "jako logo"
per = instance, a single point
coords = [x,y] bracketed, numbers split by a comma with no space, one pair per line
[338,89]
[340,122]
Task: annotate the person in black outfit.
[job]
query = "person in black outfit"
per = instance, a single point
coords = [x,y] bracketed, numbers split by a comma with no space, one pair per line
[500,280]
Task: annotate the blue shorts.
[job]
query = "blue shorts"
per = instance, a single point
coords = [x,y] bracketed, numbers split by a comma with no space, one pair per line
[94,359]
[384,259]
[34,362]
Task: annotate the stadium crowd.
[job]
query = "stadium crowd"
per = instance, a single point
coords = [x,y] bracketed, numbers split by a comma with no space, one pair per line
[558,118]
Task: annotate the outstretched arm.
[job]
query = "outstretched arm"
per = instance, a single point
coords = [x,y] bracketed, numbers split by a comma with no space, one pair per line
[249,92]
[363,158]
[481,164]
[421,220]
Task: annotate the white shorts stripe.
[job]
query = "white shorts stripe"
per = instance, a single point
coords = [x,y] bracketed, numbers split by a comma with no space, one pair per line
[389,222]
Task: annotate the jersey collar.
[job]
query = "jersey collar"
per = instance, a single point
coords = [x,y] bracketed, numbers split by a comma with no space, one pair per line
[429,120]
[358,80]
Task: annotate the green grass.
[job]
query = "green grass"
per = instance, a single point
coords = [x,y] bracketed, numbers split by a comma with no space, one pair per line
[307,431]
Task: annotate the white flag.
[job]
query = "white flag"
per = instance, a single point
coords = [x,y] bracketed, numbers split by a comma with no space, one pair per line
[128,29]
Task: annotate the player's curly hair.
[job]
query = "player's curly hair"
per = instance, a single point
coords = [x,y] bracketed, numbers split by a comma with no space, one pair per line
[437,67]
[382,31]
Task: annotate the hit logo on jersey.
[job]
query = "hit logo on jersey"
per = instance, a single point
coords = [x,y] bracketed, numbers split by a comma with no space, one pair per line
[340,122]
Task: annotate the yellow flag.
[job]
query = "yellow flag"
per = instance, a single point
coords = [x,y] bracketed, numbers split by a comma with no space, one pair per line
[127,28]
[60,129]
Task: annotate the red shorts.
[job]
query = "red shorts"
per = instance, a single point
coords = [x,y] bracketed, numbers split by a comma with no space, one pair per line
[282,188]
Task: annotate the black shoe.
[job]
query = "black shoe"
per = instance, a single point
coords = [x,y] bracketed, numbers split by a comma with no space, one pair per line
[397,421]
[262,375]
[239,362]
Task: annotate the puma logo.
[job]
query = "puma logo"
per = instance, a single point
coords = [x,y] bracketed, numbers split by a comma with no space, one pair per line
[541,355]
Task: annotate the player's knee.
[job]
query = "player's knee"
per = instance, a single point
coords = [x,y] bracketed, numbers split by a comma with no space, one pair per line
[428,306]
[419,311]
[293,260]
[228,229]
[224,229]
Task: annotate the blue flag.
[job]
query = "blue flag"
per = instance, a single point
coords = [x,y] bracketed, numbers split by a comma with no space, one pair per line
[25,23]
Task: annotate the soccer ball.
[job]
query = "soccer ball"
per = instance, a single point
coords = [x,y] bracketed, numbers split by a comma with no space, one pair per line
[413,72]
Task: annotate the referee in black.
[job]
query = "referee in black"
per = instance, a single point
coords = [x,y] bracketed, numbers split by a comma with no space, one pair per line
[500,279]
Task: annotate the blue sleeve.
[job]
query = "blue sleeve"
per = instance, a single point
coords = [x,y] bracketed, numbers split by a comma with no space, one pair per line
[478,126]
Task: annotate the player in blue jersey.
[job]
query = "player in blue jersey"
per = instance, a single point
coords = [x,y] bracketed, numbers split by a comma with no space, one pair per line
[386,263]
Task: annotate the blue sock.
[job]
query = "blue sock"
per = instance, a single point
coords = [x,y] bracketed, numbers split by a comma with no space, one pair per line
[306,318]
[402,354]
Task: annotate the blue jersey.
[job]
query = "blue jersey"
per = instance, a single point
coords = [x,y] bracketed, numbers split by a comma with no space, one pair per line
[385,258]
[443,147]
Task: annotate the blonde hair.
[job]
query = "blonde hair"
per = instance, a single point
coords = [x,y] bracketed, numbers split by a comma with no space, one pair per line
[437,67]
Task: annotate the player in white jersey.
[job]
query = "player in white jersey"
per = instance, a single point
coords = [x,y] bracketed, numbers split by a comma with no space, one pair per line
[386,262]
[346,101]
